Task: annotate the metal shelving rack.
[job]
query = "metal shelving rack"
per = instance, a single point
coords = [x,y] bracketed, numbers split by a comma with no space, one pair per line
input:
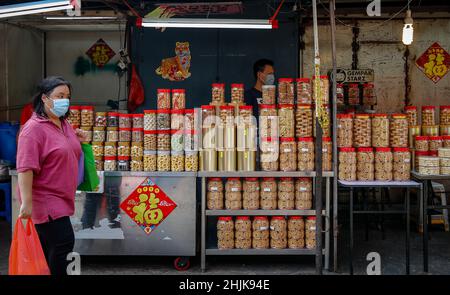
[210,213]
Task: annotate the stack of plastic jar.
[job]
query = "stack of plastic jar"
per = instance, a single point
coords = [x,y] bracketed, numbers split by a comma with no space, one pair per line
[163,99]
[163,119]
[347,164]
[304,91]
[110,149]
[303,194]
[362,130]
[401,164]
[214,195]
[286,194]
[286,120]
[123,163]
[112,134]
[261,232]
[110,163]
[268,192]
[98,134]
[285,91]
[125,121]
[243,232]
[288,154]
[225,233]
[269,154]
[296,232]
[434,144]
[218,93]
[233,194]
[444,115]
[137,134]
[399,131]
[150,120]
[344,130]
[305,149]
[380,130]
[178,99]
[250,194]
[237,93]
[422,143]
[150,160]
[304,120]
[383,164]
[124,134]
[278,232]
[365,164]
[113,119]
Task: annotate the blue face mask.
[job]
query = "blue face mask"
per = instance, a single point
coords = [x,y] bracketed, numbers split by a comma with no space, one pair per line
[60,106]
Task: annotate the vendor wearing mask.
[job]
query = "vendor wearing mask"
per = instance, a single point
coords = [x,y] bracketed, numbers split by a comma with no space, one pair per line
[264,75]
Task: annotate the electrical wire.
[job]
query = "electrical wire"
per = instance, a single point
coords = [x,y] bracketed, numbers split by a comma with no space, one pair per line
[369,27]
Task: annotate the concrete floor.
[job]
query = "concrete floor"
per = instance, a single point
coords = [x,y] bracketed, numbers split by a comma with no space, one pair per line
[392,253]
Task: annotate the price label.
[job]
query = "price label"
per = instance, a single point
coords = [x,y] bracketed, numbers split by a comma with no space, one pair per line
[267,189]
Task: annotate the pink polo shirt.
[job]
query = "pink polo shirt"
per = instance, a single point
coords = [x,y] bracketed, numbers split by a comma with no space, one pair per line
[52,154]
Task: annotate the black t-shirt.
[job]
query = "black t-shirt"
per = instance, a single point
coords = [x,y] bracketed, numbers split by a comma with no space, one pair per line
[251,97]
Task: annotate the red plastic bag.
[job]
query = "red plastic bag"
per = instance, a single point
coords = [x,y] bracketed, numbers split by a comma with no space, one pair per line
[26,256]
[136,95]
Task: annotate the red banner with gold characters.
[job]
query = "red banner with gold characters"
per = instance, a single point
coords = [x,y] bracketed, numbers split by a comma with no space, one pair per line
[100,53]
[434,62]
[148,206]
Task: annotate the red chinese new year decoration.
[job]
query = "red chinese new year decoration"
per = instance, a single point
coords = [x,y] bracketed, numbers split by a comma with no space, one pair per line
[100,53]
[148,206]
[434,62]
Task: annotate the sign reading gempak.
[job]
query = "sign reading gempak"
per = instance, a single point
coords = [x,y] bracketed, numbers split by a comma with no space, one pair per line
[148,205]
[364,76]
[434,62]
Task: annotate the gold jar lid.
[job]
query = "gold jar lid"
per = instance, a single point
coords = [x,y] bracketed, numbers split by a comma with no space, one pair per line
[99,128]
[112,128]
[136,143]
[110,143]
[86,128]
[124,143]
[97,143]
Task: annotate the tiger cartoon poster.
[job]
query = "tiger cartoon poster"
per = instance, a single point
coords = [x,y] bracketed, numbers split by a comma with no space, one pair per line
[176,68]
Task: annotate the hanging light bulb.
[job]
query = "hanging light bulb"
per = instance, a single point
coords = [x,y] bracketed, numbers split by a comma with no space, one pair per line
[408,30]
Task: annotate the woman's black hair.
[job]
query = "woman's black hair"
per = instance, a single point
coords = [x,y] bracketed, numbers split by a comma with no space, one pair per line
[46,87]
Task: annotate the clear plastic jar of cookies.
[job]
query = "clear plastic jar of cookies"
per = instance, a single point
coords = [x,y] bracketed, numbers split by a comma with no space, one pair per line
[190,140]
[225,233]
[163,119]
[268,193]
[401,164]
[110,164]
[218,93]
[296,232]
[110,149]
[268,94]
[163,161]
[123,149]
[150,120]
[150,140]
[189,119]
[124,134]
[344,130]
[233,194]
[178,99]
[327,154]
[123,163]
[310,232]
[150,161]
[163,141]
[269,154]
[136,164]
[286,91]
[214,195]
[369,98]
[305,149]
[362,128]
[112,134]
[268,121]
[422,143]
[177,161]
[380,130]
[74,116]
[113,119]
[435,142]
[98,134]
[137,134]
[100,119]
[226,115]
[286,193]
[208,116]
[177,140]
[428,115]
[87,116]
[444,115]
[163,99]
[125,120]
[304,91]
[243,232]
[261,232]
[304,120]
[303,194]
[246,116]
[191,161]
[250,194]
[98,149]
[278,232]
[353,94]
[137,149]
[286,120]
[347,164]
[411,113]
[399,131]
[340,94]
[138,121]
[288,154]
[177,120]
[99,163]
[383,164]
[365,164]
[88,133]
[237,93]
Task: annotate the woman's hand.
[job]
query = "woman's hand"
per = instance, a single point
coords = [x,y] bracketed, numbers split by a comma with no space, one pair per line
[82,135]
[25,210]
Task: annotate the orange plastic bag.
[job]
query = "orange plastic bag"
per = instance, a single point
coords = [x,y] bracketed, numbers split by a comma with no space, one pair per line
[26,256]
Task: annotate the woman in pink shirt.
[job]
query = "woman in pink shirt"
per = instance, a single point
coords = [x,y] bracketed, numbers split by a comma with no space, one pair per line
[47,164]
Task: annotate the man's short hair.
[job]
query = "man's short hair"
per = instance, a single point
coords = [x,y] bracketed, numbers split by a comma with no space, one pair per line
[259,66]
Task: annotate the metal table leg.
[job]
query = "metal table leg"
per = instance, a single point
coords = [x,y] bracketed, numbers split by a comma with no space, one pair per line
[351,232]
[407,231]
[327,225]
[425,226]
[203,225]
